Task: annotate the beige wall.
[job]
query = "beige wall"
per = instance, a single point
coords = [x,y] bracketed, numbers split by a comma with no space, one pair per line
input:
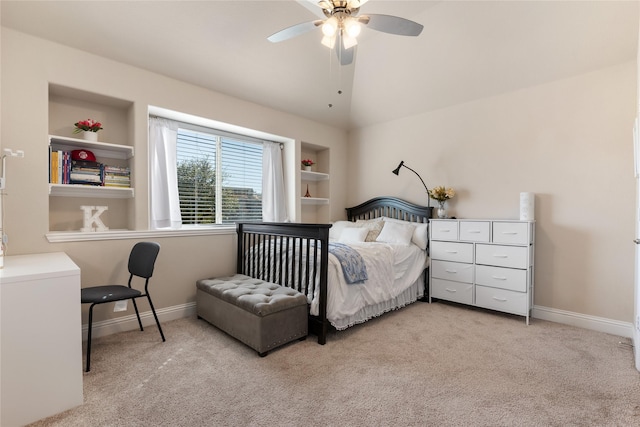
[30,64]
[569,141]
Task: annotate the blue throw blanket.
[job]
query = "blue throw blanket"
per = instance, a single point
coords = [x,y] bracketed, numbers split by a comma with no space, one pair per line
[353,266]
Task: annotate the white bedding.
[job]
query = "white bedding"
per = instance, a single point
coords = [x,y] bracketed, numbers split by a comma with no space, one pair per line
[390,284]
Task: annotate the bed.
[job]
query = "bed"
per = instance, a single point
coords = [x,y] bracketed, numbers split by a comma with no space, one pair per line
[319,260]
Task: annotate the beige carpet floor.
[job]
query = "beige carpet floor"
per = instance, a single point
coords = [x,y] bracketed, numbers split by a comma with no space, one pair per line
[427,364]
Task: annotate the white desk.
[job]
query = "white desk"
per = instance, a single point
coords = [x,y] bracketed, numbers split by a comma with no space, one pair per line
[41,337]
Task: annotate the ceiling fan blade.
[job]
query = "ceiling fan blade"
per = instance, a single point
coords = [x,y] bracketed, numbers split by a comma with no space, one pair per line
[345,56]
[394,25]
[294,31]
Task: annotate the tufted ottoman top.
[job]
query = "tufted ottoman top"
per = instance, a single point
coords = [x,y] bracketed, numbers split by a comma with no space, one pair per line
[253,295]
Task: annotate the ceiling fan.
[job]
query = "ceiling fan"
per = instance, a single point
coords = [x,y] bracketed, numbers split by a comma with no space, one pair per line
[343,25]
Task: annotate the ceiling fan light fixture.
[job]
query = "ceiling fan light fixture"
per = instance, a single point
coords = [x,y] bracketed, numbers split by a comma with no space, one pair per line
[348,41]
[352,27]
[329,41]
[330,27]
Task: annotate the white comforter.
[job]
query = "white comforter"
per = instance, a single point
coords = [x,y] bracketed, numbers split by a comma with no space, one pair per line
[391,269]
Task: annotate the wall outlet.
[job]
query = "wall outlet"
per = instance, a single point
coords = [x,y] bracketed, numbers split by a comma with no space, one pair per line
[120,306]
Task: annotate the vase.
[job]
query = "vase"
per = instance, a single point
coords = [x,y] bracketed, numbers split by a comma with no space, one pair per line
[87,135]
[307,168]
[442,211]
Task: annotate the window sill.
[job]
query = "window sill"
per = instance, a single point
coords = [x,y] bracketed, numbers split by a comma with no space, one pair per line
[79,236]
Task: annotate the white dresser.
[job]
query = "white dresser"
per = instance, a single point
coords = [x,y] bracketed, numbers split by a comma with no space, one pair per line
[484,263]
[41,340]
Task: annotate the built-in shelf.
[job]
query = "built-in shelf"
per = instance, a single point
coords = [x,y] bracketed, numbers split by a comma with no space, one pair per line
[313,176]
[100,149]
[314,201]
[76,190]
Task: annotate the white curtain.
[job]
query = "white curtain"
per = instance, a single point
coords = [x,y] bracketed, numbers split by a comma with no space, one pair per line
[165,201]
[274,207]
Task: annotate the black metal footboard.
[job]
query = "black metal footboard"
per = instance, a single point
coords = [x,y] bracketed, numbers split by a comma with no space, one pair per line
[291,255]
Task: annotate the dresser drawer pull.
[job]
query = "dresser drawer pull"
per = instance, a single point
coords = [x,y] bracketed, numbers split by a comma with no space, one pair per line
[453,291]
[474,231]
[449,251]
[500,256]
[451,271]
[510,233]
[446,230]
[500,299]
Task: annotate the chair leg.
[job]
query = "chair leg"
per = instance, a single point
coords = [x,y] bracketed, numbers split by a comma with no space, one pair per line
[153,310]
[88,367]
[135,306]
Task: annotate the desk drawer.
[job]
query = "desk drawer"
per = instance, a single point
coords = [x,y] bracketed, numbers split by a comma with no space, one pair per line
[503,256]
[452,291]
[502,300]
[452,251]
[455,271]
[503,278]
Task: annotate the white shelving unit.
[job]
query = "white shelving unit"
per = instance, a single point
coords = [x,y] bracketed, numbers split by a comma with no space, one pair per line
[313,176]
[101,150]
[314,201]
[75,190]
[315,209]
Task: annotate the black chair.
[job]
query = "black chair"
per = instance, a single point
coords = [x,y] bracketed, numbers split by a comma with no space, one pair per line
[141,262]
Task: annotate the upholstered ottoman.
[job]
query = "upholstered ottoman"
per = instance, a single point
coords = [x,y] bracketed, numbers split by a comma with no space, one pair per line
[262,315]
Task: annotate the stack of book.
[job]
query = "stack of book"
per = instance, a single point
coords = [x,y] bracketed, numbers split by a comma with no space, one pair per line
[85,172]
[59,166]
[117,176]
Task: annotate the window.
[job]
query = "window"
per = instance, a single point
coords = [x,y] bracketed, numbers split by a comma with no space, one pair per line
[219,177]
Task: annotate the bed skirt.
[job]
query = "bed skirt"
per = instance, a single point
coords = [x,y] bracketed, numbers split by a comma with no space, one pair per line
[410,295]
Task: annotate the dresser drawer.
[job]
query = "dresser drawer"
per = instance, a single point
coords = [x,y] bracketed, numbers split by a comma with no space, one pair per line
[502,300]
[474,231]
[455,271]
[503,278]
[444,230]
[503,256]
[452,291]
[511,232]
[452,251]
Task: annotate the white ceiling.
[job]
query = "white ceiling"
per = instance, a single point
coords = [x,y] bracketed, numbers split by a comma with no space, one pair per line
[468,49]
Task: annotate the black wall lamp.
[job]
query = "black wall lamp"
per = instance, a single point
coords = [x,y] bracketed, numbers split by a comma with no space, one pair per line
[402,165]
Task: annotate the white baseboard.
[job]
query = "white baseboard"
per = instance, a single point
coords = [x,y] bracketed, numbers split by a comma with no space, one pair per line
[129,323]
[600,324]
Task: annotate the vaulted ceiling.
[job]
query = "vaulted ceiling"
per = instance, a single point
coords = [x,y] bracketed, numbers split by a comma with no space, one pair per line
[468,49]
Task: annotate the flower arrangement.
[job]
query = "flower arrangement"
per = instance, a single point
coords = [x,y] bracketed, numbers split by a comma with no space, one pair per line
[307,162]
[88,125]
[441,194]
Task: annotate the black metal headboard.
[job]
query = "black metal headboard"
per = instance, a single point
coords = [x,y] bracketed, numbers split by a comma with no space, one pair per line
[391,207]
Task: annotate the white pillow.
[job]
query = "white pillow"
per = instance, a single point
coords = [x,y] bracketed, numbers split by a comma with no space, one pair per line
[420,236]
[336,229]
[396,233]
[353,235]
